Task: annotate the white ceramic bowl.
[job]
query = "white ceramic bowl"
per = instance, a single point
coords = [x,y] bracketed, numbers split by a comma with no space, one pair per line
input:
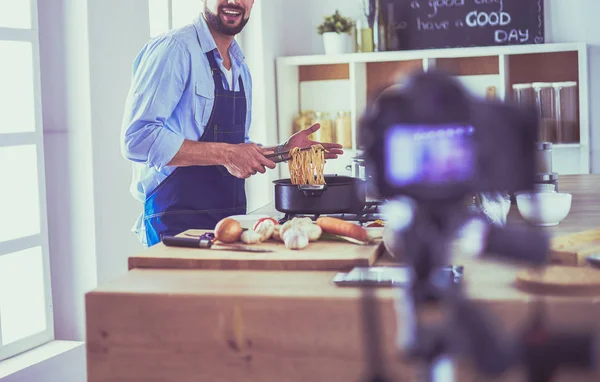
[552,208]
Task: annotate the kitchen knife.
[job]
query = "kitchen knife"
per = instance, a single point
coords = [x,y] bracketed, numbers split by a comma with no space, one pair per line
[184,242]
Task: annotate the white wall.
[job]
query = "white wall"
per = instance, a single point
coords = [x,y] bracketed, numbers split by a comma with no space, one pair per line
[117,31]
[577,20]
[68,148]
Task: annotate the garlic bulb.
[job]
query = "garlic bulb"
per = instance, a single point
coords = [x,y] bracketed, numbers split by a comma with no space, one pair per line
[302,221]
[265,229]
[251,237]
[295,238]
[286,226]
[277,233]
[313,231]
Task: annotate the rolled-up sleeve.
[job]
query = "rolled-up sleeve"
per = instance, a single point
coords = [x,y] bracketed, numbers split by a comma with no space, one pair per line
[160,73]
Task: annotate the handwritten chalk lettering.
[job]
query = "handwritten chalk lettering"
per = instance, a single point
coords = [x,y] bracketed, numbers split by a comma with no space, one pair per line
[437,4]
[488,2]
[482,19]
[402,25]
[432,25]
[482,2]
[415,4]
[513,35]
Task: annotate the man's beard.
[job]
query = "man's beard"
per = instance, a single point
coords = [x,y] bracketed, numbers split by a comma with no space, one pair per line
[216,23]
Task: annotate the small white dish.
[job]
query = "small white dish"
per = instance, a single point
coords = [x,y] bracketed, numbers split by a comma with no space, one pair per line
[544,209]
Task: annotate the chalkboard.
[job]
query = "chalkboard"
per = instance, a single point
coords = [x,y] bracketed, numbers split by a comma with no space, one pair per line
[427,24]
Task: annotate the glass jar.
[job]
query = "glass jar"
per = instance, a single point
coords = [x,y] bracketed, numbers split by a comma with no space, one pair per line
[364,35]
[543,157]
[343,129]
[551,178]
[325,133]
[567,125]
[523,94]
[304,120]
[544,97]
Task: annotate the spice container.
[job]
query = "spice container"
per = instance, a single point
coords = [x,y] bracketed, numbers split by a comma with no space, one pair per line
[364,35]
[550,178]
[304,120]
[567,127]
[544,96]
[543,157]
[523,94]
[343,129]
[325,133]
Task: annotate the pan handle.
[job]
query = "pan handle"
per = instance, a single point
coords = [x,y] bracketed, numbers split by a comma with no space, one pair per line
[312,191]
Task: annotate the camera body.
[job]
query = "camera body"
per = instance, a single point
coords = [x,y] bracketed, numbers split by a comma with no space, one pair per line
[430,140]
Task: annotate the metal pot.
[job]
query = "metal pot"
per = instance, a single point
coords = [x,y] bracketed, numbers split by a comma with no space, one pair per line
[360,171]
[340,194]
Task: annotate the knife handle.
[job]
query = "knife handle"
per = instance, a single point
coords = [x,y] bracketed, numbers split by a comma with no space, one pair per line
[185,242]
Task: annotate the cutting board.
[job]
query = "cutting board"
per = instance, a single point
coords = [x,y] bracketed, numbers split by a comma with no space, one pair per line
[573,249]
[562,280]
[318,256]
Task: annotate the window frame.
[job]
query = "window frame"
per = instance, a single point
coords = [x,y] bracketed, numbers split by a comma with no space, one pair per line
[39,240]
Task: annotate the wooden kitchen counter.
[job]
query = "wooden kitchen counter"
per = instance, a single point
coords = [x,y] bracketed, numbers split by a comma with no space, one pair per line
[262,326]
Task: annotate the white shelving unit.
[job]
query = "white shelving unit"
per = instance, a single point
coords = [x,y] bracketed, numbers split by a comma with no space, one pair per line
[331,82]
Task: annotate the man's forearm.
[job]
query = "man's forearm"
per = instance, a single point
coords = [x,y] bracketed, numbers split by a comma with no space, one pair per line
[194,153]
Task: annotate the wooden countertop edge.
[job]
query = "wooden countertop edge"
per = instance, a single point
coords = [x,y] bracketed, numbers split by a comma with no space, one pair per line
[149,259]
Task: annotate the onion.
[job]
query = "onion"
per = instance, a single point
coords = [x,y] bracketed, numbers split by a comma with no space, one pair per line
[228,231]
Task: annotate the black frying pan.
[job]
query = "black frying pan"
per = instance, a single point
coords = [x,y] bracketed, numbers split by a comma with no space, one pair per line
[341,194]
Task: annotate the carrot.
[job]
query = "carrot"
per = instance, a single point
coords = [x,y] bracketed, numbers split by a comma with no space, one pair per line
[343,228]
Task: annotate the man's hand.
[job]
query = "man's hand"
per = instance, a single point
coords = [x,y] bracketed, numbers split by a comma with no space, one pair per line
[300,139]
[245,160]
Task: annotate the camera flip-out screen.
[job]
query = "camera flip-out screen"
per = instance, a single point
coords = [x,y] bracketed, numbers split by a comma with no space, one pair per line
[429,155]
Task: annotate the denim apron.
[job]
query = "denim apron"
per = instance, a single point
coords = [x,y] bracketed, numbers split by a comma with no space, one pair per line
[197,197]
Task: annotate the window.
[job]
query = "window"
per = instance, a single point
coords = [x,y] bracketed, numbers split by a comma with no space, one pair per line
[168,14]
[25,295]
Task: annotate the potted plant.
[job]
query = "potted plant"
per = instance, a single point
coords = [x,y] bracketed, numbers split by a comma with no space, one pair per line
[336,31]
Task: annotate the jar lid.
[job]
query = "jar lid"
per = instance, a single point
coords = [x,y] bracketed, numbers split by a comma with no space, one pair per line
[567,84]
[542,84]
[522,86]
[543,146]
[548,177]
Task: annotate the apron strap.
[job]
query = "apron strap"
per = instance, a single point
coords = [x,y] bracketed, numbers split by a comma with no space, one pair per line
[216,72]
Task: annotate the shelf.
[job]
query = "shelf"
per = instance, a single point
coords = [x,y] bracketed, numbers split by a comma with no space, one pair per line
[544,67]
[347,82]
[309,73]
[558,146]
[428,54]
[469,66]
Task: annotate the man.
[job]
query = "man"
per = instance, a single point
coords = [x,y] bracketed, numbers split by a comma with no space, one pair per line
[186,125]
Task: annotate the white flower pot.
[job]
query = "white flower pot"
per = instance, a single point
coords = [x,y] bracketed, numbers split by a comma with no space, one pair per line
[336,43]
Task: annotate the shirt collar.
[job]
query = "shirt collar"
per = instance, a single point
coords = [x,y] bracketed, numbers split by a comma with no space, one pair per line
[207,41]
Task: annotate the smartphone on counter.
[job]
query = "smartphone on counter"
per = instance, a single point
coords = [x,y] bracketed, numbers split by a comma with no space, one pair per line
[396,276]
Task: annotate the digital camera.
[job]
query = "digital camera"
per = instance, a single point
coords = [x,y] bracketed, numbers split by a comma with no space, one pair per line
[432,141]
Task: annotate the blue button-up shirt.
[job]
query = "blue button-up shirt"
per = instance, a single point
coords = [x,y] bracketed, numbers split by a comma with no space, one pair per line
[171,99]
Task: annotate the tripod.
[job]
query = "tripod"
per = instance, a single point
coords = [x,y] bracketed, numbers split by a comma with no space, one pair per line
[464,328]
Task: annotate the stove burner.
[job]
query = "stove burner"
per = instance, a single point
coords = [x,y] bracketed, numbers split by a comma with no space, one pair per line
[368,214]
